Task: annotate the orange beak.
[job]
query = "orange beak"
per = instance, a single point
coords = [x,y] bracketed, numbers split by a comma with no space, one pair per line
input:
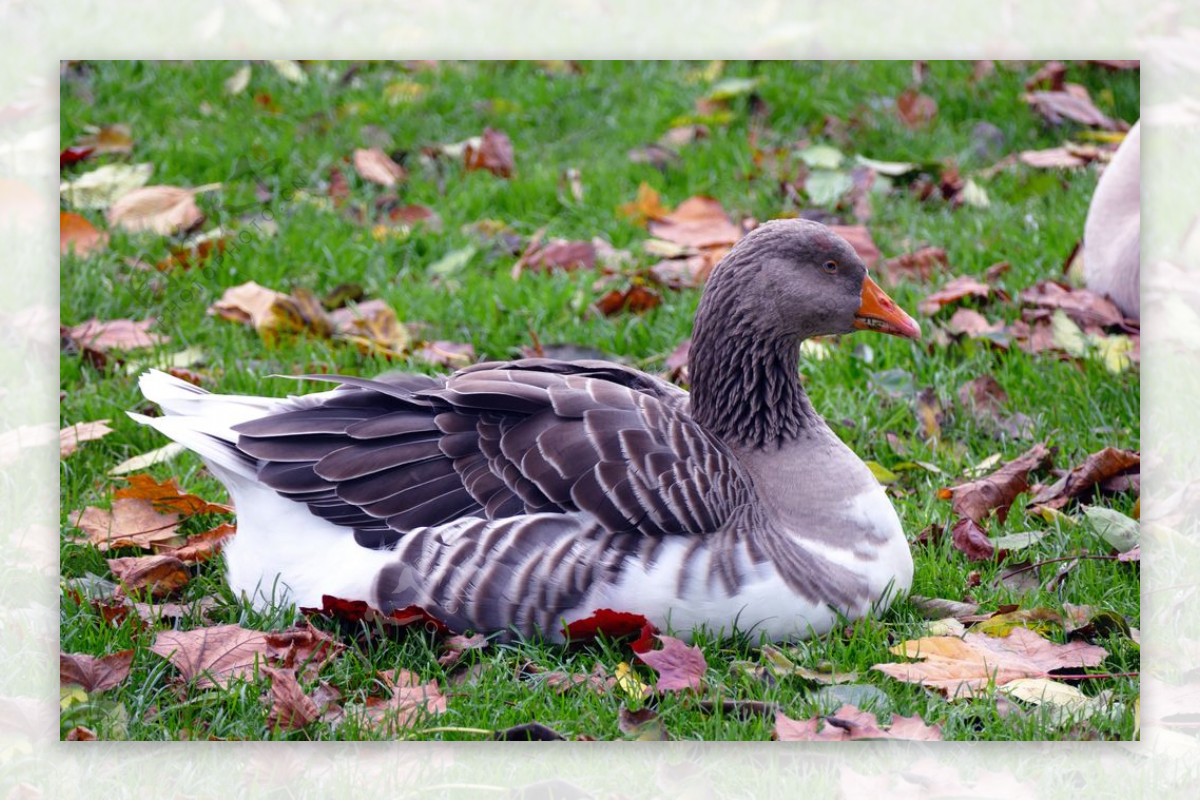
[880,313]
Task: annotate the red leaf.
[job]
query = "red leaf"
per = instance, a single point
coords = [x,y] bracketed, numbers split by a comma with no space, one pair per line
[973,541]
[73,155]
[494,154]
[679,666]
[607,622]
[94,674]
[636,299]
[915,109]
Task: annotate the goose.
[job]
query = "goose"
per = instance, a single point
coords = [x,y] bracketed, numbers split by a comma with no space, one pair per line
[515,497]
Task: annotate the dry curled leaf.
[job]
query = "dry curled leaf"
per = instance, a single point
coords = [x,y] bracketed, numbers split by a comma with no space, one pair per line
[160,575]
[679,666]
[956,289]
[410,701]
[166,496]
[977,499]
[636,299]
[851,723]
[969,538]
[697,222]
[444,353]
[200,547]
[920,265]
[1073,103]
[94,674]
[1083,479]
[1085,307]
[494,153]
[69,438]
[290,708]
[116,138]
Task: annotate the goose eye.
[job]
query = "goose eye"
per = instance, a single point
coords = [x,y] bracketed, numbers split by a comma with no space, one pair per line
[830,267]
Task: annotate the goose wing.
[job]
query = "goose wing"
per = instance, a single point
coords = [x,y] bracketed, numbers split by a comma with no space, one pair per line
[498,440]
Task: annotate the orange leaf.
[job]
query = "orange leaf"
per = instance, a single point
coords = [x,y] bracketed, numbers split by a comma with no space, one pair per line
[76,233]
[376,166]
[162,575]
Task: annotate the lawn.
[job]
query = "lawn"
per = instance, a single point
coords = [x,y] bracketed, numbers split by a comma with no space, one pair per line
[276,148]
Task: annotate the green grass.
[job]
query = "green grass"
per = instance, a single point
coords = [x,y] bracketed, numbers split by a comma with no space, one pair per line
[185,124]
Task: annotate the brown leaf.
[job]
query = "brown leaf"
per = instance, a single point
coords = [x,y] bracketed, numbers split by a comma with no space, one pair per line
[376,166]
[1072,104]
[1083,478]
[303,646]
[851,723]
[686,273]
[929,414]
[684,135]
[108,335]
[956,289]
[76,233]
[410,701]
[559,254]
[390,212]
[168,497]
[194,254]
[162,209]
[161,574]
[677,362]
[975,500]
[200,547]
[1050,76]
[938,608]
[598,680]
[915,110]
[972,540]
[697,222]
[647,206]
[920,265]
[116,138]
[94,674]
[246,303]
[454,647]
[70,437]
[213,655]
[1085,307]
[80,734]
[298,314]
[131,523]
[860,239]
[1051,158]
[679,666]
[290,708]
[373,326]
[644,725]
[444,353]
[972,324]
[636,299]
[963,667]
[494,153]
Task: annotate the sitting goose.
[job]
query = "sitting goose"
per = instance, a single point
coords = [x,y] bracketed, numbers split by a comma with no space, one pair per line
[522,495]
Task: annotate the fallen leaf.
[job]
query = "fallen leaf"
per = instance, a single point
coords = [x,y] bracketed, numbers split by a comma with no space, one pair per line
[166,496]
[636,299]
[647,206]
[1082,479]
[161,209]
[930,415]
[246,303]
[972,323]
[559,254]
[80,734]
[781,666]
[410,701]
[962,668]
[454,647]
[915,110]
[108,139]
[72,155]
[362,612]
[195,252]
[859,237]
[679,666]
[937,608]
[94,674]
[102,187]
[1120,531]
[1057,696]
[697,222]
[851,723]
[972,540]
[1072,104]
[598,680]
[644,725]
[69,438]
[920,265]
[609,623]
[1039,619]
[686,273]
[494,153]
[149,459]
[100,337]
[1050,76]
[200,547]
[975,500]
[131,523]
[444,353]
[376,166]
[373,326]
[291,70]
[161,575]
[1051,158]
[215,655]
[291,709]
[76,234]
[955,290]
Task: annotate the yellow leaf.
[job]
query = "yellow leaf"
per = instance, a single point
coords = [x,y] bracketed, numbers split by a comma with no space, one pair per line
[403,92]
[628,681]
[237,83]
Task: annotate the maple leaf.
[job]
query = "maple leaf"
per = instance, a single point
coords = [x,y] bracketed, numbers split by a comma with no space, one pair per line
[997,491]
[94,674]
[213,656]
[69,438]
[494,153]
[161,574]
[410,701]
[679,666]
[76,233]
[290,708]
[560,254]
[131,523]
[851,723]
[964,667]
[376,166]
[246,303]
[1103,465]
[161,209]
[166,496]
[697,222]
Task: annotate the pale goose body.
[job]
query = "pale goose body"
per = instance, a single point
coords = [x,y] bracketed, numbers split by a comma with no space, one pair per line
[516,496]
